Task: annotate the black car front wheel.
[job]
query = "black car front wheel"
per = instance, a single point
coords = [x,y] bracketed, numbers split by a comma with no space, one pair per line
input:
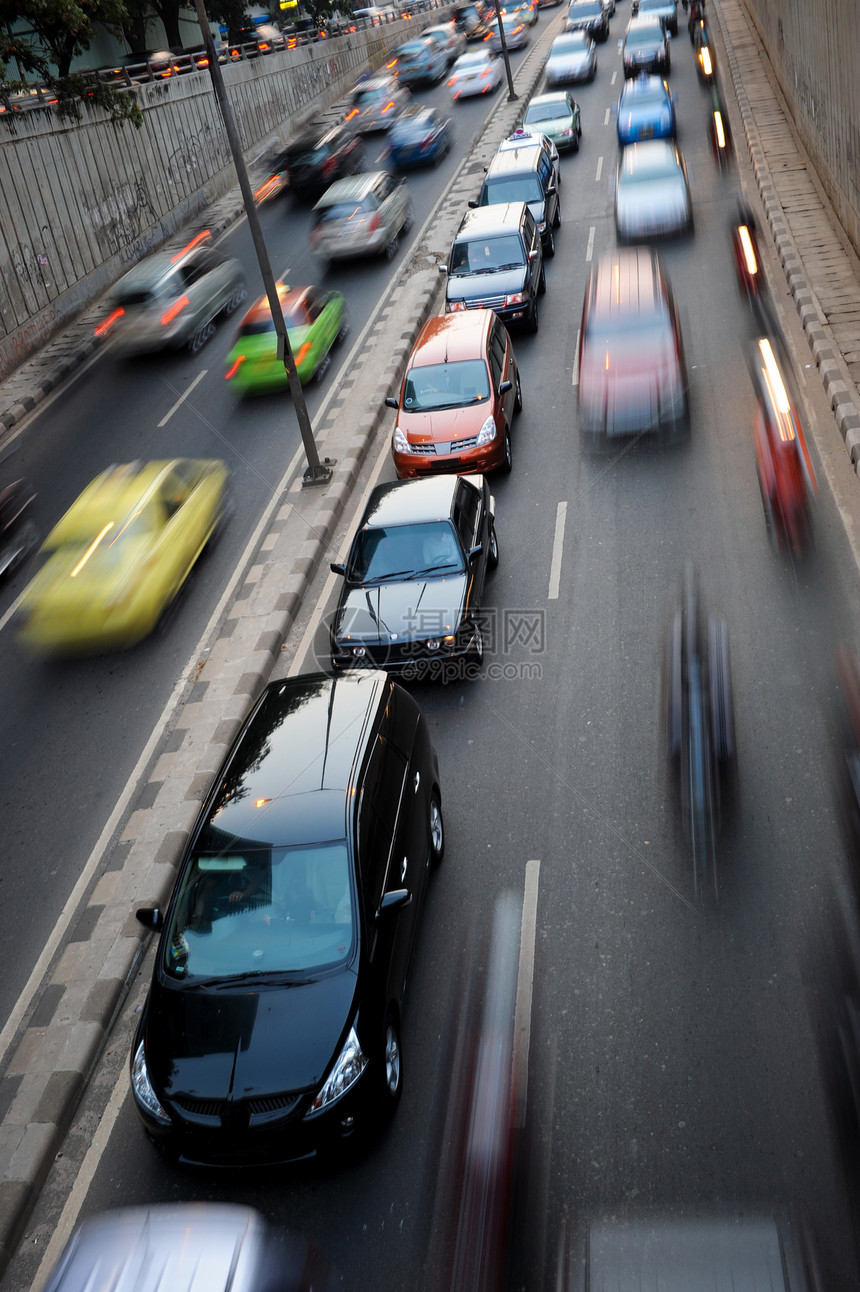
[493,553]
[437,830]
[392,1065]
[533,321]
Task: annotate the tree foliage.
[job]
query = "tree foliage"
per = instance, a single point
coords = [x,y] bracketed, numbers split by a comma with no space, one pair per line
[39,39]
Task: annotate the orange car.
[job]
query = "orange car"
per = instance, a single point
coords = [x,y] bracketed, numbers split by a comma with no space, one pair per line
[458,397]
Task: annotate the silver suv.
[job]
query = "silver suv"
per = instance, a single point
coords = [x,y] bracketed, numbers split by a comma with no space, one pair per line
[362,215]
[172,299]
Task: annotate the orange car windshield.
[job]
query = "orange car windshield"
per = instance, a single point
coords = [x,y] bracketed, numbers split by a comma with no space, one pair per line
[446,385]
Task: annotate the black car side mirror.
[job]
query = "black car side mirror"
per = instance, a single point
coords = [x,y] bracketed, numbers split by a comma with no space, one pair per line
[150,917]
[391,401]
[475,551]
[473,202]
[551,188]
[505,387]
[394,901]
[338,567]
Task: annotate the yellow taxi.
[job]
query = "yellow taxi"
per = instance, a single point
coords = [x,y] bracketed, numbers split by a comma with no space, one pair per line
[115,561]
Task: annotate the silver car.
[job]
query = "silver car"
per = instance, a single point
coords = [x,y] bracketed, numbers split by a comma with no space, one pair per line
[652,196]
[173,298]
[376,102]
[451,40]
[362,215]
[572,57]
[184,1247]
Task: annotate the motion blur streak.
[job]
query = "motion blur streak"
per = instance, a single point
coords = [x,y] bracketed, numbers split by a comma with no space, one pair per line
[485,1189]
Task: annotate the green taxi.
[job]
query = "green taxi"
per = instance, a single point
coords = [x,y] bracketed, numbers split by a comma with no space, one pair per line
[315,320]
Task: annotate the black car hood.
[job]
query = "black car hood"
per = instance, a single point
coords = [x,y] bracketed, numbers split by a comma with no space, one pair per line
[246,1041]
[381,613]
[466,287]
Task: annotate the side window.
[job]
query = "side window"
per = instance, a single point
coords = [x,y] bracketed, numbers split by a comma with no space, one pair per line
[466,512]
[384,188]
[381,794]
[195,267]
[314,305]
[497,353]
[544,171]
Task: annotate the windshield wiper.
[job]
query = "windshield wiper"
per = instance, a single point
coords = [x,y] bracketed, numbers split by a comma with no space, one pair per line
[434,569]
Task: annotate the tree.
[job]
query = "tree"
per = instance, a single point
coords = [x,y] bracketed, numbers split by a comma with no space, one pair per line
[41,37]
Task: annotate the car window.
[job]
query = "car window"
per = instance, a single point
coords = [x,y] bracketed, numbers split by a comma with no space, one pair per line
[487,255]
[497,354]
[446,385]
[466,509]
[399,551]
[384,188]
[381,795]
[314,304]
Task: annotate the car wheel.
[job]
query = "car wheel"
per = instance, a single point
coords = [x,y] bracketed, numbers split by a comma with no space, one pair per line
[518,396]
[542,281]
[201,336]
[391,249]
[493,553]
[476,651]
[323,368]
[549,249]
[239,295]
[392,1066]
[343,330]
[533,320]
[557,218]
[437,830]
[508,460]
[408,219]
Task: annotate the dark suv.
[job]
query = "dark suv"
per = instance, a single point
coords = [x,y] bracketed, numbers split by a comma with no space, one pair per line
[496,263]
[316,159]
[527,175]
[589,16]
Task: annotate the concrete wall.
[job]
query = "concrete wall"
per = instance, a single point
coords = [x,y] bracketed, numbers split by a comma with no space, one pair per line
[81,202]
[814,47]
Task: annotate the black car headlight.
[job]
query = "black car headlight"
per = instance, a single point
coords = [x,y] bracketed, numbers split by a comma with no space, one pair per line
[349,1066]
[142,1088]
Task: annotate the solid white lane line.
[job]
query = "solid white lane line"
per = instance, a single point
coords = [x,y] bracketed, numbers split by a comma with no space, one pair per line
[557,551]
[525,985]
[182,398]
[599,170]
[69,1217]
[574,376]
[589,246]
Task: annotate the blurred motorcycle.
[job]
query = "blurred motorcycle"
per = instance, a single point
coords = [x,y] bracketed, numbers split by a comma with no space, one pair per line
[786,474]
[19,532]
[699,729]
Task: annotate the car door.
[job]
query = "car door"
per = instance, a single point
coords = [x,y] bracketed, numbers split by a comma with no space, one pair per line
[502,369]
[467,519]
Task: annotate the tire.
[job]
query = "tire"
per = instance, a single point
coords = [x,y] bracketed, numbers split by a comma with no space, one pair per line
[391,1076]
[343,330]
[201,336]
[720,680]
[475,656]
[392,247]
[508,460]
[518,396]
[549,249]
[557,221]
[533,321]
[408,219]
[323,368]
[437,830]
[493,553]
[239,295]
[542,282]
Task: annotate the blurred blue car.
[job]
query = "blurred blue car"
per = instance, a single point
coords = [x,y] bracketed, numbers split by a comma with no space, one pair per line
[421,137]
[420,62]
[646,110]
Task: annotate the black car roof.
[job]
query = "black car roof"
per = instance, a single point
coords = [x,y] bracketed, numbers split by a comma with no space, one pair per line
[409,502]
[287,777]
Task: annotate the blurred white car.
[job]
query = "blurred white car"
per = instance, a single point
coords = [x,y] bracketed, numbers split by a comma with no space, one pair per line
[362,215]
[652,196]
[449,37]
[572,57]
[477,72]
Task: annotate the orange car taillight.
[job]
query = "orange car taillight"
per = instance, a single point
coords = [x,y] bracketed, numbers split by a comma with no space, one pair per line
[305,349]
[109,321]
[176,308]
[231,372]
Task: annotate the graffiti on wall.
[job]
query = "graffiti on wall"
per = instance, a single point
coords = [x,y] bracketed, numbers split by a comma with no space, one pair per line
[196,155]
[121,216]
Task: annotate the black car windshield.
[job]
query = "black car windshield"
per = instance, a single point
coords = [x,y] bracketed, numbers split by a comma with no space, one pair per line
[260,911]
[446,385]
[402,551]
[511,188]
[486,255]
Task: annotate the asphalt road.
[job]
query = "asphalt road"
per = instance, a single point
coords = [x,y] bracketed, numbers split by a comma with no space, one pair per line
[672,1056]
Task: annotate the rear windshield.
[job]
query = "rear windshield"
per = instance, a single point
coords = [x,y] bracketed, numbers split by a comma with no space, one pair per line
[487,255]
[346,210]
[446,385]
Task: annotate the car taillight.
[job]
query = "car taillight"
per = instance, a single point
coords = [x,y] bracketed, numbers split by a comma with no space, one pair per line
[109,321]
[176,308]
[374,221]
[303,352]
[231,372]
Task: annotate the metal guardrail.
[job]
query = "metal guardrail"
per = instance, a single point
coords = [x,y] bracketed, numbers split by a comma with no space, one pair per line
[163,64]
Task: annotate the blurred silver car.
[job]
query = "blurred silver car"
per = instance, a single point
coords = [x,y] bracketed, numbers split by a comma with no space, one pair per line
[652,196]
[362,215]
[376,102]
[449,37]
[515,29]
[185,1247]
[172,299]
[572,57]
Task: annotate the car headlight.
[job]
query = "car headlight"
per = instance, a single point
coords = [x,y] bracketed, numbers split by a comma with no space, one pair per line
[453,306]
[142,1088]
[350,1064]
[517,298]
[487,433]
[401,444]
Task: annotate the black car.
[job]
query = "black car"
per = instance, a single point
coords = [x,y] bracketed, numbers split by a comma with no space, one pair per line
[272,1025]
[19,532]
[589,16]
[496,263]
[527,173]
[414,578]
[646,47]
[317,158]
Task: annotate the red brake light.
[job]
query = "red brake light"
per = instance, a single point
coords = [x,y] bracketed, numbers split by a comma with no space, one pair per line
[231,372]
[109,321]
[176,308]
[302,352]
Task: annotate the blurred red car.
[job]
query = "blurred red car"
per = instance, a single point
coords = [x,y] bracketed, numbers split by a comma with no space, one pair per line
[786,475]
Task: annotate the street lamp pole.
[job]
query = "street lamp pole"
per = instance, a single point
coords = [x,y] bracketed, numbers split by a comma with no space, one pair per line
[316,472]
[512,94]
